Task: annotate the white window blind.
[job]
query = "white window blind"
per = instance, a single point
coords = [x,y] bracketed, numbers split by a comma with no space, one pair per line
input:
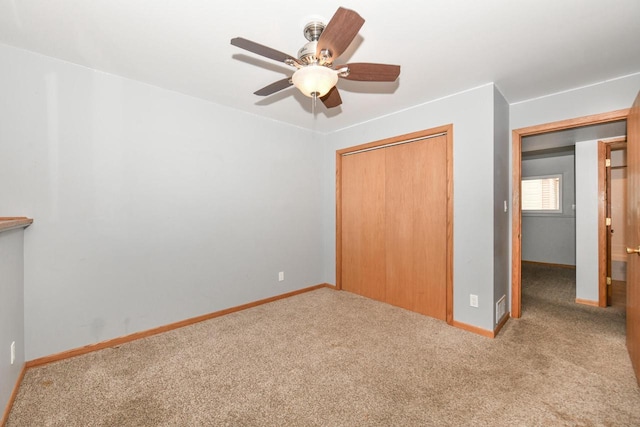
[542,194]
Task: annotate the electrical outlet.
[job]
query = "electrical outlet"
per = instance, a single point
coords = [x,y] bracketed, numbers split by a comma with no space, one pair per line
[13,352]
[281,276]
[473,300]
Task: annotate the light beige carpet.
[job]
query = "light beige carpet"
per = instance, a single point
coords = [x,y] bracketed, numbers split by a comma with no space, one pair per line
[332,358]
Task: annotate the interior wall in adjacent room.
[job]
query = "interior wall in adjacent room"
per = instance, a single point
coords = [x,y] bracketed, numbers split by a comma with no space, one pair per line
[551,238]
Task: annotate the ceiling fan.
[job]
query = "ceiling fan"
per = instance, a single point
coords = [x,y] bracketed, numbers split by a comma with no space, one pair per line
[316,76]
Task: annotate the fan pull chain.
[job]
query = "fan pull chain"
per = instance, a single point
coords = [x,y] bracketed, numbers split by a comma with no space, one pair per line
[313,103]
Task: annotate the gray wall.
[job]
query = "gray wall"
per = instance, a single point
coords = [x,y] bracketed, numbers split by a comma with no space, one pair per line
[614,94]
[471,112]
[150,207]
[502,177]
[551,238]
[11,310]
[587,220]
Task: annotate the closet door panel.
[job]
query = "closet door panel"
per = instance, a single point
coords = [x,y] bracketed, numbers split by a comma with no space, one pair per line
[363,224]
[416,225]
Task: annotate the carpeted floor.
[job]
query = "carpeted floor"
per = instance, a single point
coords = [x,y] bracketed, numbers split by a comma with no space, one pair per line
[332,358]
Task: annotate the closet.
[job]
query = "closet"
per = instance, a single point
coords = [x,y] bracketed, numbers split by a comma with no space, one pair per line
[395,221]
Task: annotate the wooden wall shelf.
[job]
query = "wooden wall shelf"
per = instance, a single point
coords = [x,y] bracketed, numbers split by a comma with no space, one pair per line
[11,222]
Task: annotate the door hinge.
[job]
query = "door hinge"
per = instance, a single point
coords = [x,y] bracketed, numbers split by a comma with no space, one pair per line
[607,163]
[607,222]
[608,280]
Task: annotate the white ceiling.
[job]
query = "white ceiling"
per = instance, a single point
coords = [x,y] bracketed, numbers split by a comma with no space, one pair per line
[529,48]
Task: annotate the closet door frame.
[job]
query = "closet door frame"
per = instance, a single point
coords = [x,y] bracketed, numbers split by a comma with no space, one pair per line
[447,131]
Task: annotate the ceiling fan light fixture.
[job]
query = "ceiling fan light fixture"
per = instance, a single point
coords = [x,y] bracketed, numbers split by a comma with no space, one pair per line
[315,80]
[316,76]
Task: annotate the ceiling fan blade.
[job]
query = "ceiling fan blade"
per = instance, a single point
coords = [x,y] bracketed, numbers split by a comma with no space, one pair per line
[368,72]
[262,50]
[332,98]
[274,87]
[339,32]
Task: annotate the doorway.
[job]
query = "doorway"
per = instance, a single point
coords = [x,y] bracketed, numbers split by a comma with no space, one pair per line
[586,122]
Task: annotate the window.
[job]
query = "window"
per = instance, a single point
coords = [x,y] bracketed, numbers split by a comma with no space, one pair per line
[542,194]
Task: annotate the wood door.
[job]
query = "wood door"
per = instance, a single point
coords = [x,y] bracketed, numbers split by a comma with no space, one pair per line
[633,235]
[394,224]
[416,224]
[363,224]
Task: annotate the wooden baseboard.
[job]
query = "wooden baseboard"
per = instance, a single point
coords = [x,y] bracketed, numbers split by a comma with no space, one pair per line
[587,302]
[150,332]
[548,264]
[12,398]
[480,331]
[476,330]
[504,320]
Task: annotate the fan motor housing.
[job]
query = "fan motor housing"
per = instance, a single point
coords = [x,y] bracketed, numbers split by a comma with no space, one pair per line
[312,32]
[307,54]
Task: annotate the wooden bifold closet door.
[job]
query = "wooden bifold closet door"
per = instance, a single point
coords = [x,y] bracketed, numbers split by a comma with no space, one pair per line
[393,215]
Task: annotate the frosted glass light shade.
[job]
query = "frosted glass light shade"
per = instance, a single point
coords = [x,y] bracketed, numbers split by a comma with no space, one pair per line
[315,79]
